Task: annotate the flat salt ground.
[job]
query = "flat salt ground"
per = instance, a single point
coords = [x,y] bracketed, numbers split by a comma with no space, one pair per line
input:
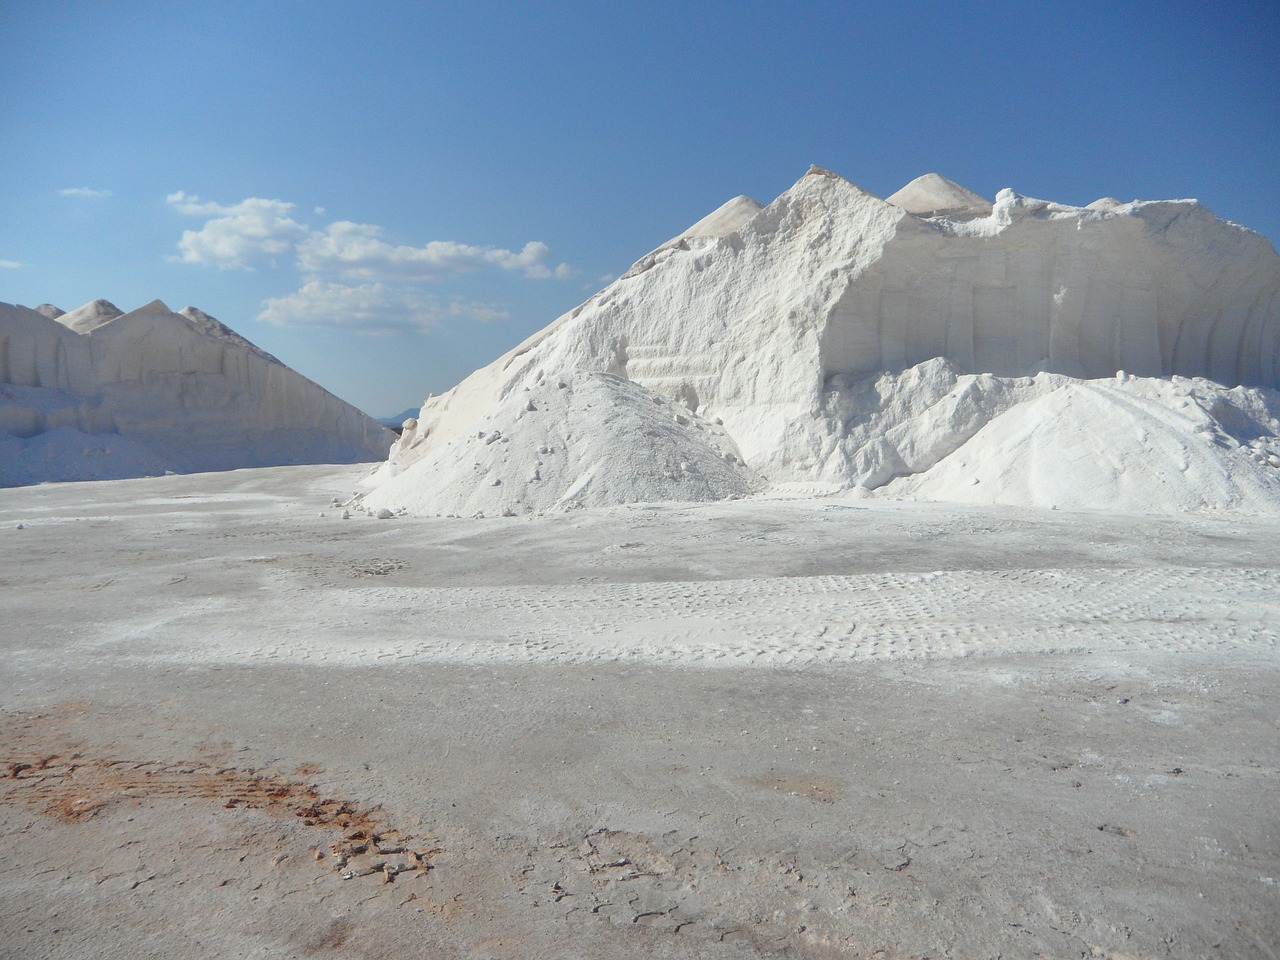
[929,728]
[164,574]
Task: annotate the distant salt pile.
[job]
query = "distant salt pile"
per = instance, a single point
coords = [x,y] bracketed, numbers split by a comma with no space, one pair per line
[581,440]
[96,393]
[829,331]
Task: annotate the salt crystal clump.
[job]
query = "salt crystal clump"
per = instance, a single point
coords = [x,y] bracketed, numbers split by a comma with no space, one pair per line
[100,394]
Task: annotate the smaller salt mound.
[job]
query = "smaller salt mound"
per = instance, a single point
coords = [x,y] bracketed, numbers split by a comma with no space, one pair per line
[1104,204]
[933,194]
[722,221]
[726,219]
[578,440]
[187,392]
[1137,445]
[90,316]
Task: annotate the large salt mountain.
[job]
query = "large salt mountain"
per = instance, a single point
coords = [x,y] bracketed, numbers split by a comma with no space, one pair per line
[932,344]
[96,393]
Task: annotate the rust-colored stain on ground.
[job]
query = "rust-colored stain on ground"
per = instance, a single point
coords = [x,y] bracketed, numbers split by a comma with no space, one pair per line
[74,785]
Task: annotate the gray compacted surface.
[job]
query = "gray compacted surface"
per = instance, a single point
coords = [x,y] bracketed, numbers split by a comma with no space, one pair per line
[183,785]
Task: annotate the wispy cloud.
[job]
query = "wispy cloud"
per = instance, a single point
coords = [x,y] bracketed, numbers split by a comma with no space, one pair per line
[238,235]
[84,193]
[10,265]
[369,308]
[356,251]
[235,235]
[353,277]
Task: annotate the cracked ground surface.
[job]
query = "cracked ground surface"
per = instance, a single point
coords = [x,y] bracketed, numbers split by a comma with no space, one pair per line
[1115,801]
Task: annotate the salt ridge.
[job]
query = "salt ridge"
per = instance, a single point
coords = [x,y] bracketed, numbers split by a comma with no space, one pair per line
[100,394]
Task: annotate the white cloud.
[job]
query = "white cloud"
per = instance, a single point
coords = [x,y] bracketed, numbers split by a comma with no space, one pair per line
[239,234]
[353,278]
[357,251]
[236,235]
[10,265]
[370,308]
[84,192]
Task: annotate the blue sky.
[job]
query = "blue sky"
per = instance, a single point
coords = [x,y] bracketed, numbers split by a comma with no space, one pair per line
[388,195]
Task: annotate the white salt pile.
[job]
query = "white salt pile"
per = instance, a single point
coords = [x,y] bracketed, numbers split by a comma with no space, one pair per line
[100,394]
[582,440]
[856,342]
[1131,444]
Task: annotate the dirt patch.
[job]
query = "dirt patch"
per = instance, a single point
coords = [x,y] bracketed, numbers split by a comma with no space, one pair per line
[376,567]
[333,937]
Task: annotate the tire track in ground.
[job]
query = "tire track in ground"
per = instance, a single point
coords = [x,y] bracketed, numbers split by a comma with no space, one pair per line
[839,617]
[759,621]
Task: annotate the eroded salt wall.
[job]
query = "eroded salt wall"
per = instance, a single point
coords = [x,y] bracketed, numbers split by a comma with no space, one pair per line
[1154,288]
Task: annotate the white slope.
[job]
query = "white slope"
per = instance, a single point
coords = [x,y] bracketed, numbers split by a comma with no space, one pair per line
[217,330]
[50,311]
[934,194]
[776,326]
[90,316]
[152,390]
[582,440]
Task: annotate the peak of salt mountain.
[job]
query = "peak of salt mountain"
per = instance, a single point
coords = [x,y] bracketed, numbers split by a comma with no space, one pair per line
[780,327]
